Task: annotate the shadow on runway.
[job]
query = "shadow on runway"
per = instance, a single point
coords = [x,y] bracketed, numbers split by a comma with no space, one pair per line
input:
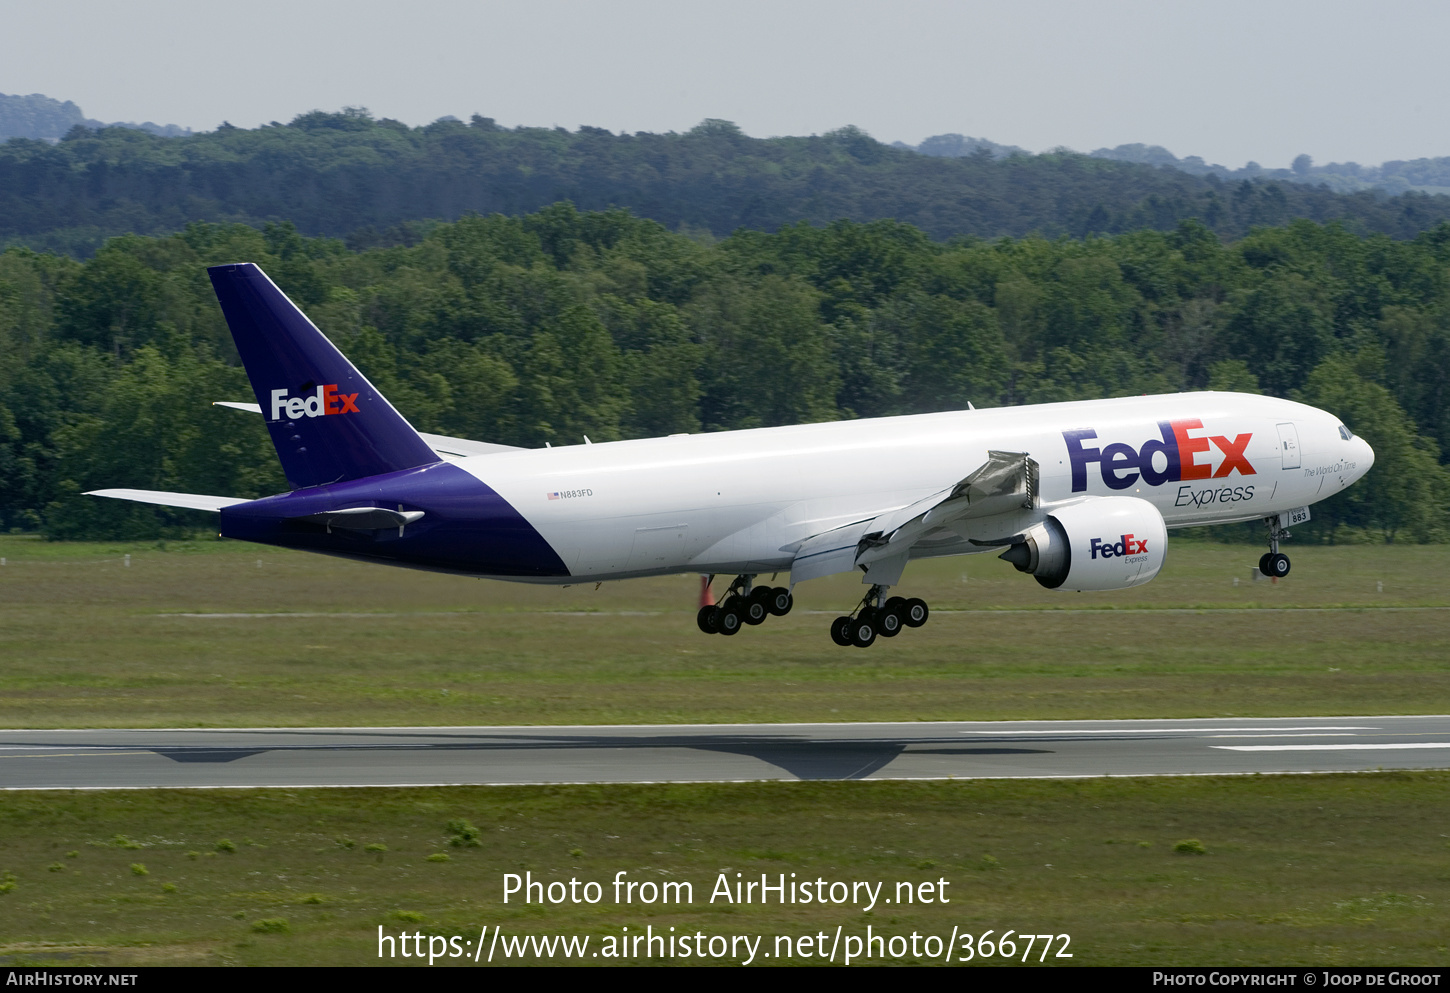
[802,757]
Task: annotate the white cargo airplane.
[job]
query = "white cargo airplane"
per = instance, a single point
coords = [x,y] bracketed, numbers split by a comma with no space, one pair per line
[1079,495]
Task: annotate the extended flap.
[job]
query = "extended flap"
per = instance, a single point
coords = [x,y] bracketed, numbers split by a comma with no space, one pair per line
[1007,481]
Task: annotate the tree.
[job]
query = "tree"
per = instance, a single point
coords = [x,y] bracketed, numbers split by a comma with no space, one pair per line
[767,354]
[570,383]
[1283,329]
[1405,494]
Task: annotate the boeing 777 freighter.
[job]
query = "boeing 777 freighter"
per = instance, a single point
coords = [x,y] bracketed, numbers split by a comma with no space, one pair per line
[1080,495]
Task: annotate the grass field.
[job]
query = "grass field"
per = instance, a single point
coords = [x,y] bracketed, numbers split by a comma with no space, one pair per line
[1326,870]
[90,641]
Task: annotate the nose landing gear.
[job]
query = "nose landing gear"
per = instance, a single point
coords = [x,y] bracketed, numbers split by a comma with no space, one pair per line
[744,603]
[1275,563]
[876,616]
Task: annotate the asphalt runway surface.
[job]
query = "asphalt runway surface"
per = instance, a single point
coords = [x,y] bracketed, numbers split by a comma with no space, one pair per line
[186,758]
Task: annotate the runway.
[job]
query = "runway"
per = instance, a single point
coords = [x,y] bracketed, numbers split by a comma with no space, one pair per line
[296,757]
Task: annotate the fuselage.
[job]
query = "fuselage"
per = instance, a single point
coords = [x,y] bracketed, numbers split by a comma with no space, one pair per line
[743,501]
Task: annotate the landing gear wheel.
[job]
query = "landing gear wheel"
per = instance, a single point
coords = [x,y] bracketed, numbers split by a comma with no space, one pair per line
[780,601]
[1278,564]
[840,631]
[730,618]
[916,613]
[888,622]
[863,631]
[1275,564]
[897,604]
[752,609]
[709,619]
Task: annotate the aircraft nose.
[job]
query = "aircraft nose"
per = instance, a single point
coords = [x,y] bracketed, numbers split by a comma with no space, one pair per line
[1366,455]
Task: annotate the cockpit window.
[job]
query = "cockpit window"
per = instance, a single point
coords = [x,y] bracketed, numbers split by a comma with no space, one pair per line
[1345,433]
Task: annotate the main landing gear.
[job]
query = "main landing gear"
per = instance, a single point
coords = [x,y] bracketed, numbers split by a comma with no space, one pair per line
[744,603]
[874,616]
[1274,563]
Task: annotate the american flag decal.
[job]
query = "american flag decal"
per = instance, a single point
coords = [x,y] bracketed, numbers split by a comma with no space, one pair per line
[553,496]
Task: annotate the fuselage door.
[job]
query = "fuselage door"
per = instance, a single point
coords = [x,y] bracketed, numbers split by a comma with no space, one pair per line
[660,546]
[1289,445]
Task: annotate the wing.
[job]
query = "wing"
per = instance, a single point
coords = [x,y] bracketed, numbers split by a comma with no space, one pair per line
[1006,483]
[449,448]
[186,501]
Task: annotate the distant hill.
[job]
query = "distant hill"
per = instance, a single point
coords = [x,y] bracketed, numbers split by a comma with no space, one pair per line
[959,146]
[373,181]
[1415,176]
[40,117]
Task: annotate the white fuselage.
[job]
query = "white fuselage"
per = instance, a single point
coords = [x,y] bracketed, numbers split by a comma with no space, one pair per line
[743,501]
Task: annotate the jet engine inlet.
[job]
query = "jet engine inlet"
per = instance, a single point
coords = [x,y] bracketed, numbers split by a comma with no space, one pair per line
[1103,543]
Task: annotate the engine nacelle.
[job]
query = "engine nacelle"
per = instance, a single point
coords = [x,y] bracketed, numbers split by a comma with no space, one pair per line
[1102,543]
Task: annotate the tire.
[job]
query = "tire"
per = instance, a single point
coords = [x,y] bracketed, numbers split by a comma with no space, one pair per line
[780,601]
[839,631]
[863,632]
[1264,564]
[896,603]
[916,613]
[888,623]
[754,610]
[1278,565]
[730,620]
[709,619]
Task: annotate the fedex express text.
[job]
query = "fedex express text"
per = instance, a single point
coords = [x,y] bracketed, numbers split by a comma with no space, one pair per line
[325,402]
[1121,465]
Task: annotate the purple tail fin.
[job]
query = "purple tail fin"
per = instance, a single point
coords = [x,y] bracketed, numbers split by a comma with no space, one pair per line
[327,421]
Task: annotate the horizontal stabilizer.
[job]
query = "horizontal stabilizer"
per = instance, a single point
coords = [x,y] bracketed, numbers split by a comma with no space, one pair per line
[185,501]
[440,443]
[444,445]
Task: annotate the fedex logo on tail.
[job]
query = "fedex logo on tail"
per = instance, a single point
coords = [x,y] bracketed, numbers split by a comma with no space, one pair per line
[1123,465]
[326,401]
[1125,545]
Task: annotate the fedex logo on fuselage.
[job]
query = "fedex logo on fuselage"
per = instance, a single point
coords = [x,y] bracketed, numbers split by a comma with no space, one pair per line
[1125,545]
[326,401]
[1123,465]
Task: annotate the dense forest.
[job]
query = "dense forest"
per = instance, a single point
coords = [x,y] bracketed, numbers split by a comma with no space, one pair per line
[559,323]
[369,181]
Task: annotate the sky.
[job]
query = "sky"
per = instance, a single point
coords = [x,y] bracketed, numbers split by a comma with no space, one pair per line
[1231,81]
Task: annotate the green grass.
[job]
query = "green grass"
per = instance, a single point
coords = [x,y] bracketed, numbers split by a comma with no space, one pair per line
[1327,870]
[1315,869]
[91,642]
